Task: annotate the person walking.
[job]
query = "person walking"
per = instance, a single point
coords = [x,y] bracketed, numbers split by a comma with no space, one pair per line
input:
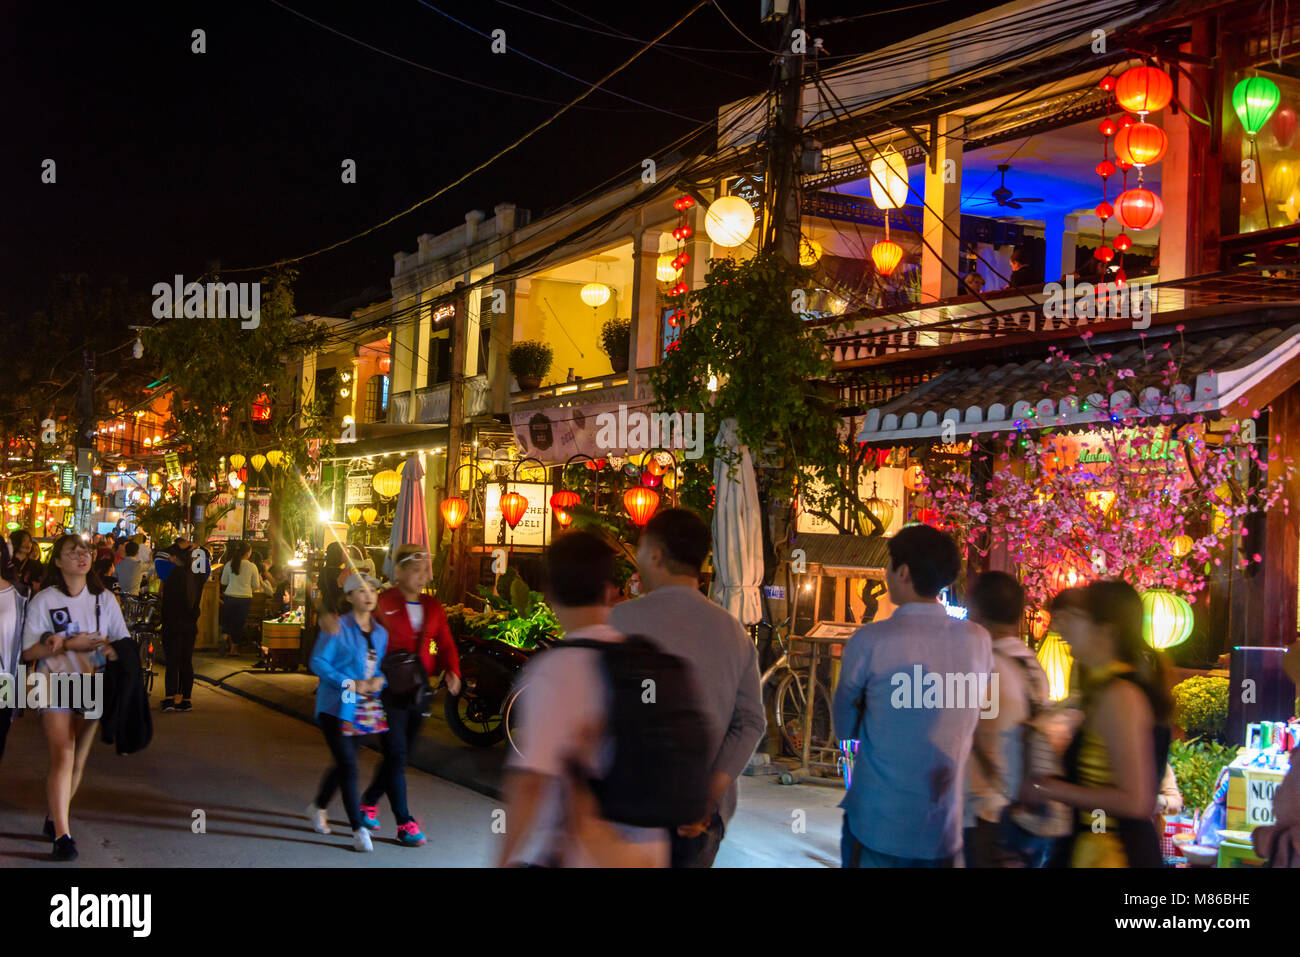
[12,611]
[904,808]
[69,628]
[416,624]
[182,596]
[27,569]
[130,571]
[994,774]
[239,579]
[347,701]
[683,622]
[1114,764]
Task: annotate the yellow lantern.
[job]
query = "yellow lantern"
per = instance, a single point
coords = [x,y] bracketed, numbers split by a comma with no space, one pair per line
[275,457]
[914,479]
[729,221]
[670,479]
[237,461]
[665,271]
[888,179]
[240,492]
[354,515]
[809,251]
[1054,656]
[882,510]
[1181,546]
[387,483]
[595,294]
[156,480]
[1281,180]
[258,460]
[370,514]
[1166,618]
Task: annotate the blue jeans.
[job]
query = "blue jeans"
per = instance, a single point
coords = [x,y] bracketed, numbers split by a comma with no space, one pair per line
[853,853]
[390,776]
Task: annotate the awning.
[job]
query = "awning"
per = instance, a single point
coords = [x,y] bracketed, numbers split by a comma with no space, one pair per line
[1215,373]
[384,438]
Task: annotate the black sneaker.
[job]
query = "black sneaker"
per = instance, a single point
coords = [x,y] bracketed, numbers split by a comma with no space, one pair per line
[168,706]
[48,830]
[185,705]
[65,848]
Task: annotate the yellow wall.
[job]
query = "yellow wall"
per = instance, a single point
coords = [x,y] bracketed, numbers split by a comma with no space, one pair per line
[575,338]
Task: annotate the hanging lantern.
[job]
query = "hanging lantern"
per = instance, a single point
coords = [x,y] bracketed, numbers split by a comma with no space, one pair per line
[237,461]
[1104,211]
[1181,546]
[233,479]
[354,514]
[729,221]
[882,510]
[565,499]
[513,506]
[1054,656]
[595,294]
[1064,574]
[640,503]
[370,514]
[665,271]
[1103,254]
[257,461]
[240,492]
[1107,127]
[1166,619]
[156,480]
[888,179]
[1281,181]
[1284,124]
[809,251]
[1101,499]
[1144,89]
[914,479]
[1105,169]
[1141,144]
[385,364]
[387,483]
[1123,243]
[564,518]
[886,254]
[649,479]
[1139,208]
[1254,100]
[454,509]
[1038,624]
[275,457]
[1107,83]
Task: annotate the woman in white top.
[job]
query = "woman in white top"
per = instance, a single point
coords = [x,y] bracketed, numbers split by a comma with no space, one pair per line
[11,647]
[69,627]
[239,579]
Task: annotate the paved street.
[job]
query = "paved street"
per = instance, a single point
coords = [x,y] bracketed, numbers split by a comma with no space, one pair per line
[251,771]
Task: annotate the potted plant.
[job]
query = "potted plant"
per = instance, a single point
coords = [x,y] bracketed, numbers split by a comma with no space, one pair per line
[615,341]
[530,360]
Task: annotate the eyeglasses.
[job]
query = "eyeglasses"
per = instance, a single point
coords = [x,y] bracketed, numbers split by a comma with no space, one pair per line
[76,551]
[417,557]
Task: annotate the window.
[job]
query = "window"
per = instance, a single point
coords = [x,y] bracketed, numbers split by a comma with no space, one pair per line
[376,407]
[327,390]
[439,358]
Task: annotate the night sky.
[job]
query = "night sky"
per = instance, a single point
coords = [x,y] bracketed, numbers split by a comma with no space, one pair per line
[169,161]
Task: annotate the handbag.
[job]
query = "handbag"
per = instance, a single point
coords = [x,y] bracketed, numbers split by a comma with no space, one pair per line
[408,682]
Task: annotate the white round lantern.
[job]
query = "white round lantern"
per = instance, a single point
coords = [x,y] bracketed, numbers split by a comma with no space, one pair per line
[729,221]
[595,294]
[888,179]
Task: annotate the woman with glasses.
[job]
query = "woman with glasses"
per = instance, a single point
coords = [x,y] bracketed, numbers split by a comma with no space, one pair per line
[69,628]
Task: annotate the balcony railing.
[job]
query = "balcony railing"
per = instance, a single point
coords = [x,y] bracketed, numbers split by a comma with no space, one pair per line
[611,388]
[433,405]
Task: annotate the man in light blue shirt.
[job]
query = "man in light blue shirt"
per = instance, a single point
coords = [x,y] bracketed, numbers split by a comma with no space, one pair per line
[911,691]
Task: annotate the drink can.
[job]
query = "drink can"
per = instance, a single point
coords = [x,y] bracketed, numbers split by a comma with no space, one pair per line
[1265,735]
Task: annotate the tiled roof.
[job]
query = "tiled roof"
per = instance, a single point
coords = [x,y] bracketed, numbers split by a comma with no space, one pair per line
[845,551]
[1214,371]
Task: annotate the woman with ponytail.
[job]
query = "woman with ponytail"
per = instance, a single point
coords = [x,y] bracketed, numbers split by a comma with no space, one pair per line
[1114,765]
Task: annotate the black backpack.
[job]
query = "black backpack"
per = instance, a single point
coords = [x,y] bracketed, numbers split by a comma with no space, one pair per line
[660,772]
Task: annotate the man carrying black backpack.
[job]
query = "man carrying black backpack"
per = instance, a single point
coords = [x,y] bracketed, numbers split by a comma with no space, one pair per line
[608,756]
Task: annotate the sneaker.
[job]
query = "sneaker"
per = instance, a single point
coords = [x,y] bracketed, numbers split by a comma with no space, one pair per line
[410,835]
[48,830]
[319,818]
[169,706]
[65,848]
[185,705]
[361,840]
[370,816]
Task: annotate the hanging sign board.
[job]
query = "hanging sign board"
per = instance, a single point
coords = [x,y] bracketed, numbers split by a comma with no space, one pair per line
[533,529]
[359,489]
[173,462]
[67,479]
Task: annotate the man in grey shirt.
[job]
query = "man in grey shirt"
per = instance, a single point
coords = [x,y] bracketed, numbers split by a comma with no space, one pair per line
[683,622]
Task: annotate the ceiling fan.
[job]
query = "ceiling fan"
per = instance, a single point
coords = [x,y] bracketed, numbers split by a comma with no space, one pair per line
[1003,196]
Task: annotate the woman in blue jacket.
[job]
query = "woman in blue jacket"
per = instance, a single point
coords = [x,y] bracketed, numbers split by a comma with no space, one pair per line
[347,701]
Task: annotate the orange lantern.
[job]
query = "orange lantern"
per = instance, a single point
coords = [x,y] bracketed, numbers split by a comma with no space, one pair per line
[1038,623]
[914,479]
[454,509]
[886,254]
[385,364]
[564,518]
[513,506]
[640,503]
[1064,574]
[1139,208]
[563,500]
[1141,144]
[1143,89]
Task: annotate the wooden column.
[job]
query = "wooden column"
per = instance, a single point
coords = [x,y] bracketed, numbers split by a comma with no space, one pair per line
[1281,546]
[456,405]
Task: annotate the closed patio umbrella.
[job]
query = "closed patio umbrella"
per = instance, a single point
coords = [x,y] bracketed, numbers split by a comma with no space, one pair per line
[410,524]
[737,533]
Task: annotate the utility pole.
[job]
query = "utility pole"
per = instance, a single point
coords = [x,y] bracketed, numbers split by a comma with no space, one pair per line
[785,142]
[456,387]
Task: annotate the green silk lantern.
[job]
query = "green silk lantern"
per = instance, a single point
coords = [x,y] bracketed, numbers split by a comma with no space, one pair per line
[1254,100]
[1166,619]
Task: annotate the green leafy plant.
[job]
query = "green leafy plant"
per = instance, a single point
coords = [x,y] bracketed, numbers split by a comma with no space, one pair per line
[513,613]
[616,337]
[530,359]
[1201,705]
[1197,765]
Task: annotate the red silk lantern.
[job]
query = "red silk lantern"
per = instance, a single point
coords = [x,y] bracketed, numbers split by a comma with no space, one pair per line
[385,364]
[1107,127]
[1107,83]
[1105,169]
[1143,89]
[680,289]
[1123,243]
[454,509]
[649,479]
[1121,277]
[565,499]
[1104,254]
[597,465]
[1125,120]
[640,503]
[1105,210]
[1065,574]
[1123,164]
[1139,208]
[513,506]
[1284,124]
[563,517]
[886,254]
[1141,144]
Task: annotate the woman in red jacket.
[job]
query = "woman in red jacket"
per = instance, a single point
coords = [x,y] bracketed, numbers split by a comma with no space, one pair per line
[415,622]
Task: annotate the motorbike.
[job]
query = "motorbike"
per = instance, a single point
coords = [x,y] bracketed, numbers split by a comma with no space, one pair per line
[481,715]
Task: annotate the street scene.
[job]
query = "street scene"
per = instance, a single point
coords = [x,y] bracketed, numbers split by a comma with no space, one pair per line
[724,434]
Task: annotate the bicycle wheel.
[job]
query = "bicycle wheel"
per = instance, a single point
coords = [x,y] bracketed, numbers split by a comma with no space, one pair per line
[791,711]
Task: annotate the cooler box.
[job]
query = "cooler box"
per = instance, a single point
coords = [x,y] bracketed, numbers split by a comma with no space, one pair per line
[1250,794]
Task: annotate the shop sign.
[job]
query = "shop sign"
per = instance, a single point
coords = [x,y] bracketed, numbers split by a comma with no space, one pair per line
[173,463]
[67,479]
[1156,449]
[231,525]
[533,529]
[884,483]
[359,487]
[1259,799]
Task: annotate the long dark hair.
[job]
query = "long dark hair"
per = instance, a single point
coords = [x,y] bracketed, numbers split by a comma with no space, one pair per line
[237,555]
[54,574]
[1117,604]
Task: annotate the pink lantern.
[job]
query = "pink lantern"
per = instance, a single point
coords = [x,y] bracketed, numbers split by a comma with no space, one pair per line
[1284,124]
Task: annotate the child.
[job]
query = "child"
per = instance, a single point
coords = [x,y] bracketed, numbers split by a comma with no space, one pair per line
[347,701]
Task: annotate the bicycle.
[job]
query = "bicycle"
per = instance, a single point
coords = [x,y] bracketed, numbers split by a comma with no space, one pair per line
[788,677]
[143,616]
